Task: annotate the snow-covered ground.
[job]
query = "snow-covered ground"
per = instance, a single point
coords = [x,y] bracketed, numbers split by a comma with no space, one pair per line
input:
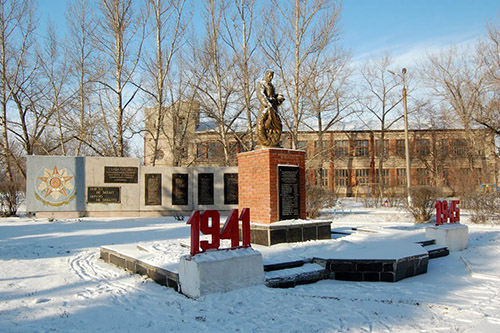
[52,280]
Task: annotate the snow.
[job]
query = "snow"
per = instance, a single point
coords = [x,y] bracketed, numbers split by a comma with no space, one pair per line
[51,279]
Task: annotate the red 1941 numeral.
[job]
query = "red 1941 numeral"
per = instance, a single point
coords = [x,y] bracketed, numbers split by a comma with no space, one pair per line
[208,223]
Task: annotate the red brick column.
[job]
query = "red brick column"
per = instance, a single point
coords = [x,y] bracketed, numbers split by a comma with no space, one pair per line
[258,181]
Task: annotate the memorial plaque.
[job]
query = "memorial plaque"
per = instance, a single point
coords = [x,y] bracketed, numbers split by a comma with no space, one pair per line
[121,174]
[153,189]
[289,192]
[99,194]
[230,189]
[180,188]
[205,189]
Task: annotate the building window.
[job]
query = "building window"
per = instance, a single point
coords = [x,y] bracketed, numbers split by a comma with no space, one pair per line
[400,147]
[423,147]
[362,176]
[385,176]
[361,148]
[444,148]
[401,177]
[458,147]
[321,149]
[423,177]
[234,149]
[342,177]
[382,150]
[341,148]
[302,145]
[214,150]
[200,150]
[321,177]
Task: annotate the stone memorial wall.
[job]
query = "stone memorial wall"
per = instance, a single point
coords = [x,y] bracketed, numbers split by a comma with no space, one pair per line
[107,186]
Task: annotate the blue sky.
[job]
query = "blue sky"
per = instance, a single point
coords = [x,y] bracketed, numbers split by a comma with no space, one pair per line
[371,27]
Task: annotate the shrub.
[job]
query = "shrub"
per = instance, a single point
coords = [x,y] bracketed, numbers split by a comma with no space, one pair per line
[318,197]
[482,207]
[9,197]
[423,199]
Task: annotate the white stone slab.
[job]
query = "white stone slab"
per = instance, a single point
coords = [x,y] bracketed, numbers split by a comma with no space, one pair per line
[454,236]
[220,271]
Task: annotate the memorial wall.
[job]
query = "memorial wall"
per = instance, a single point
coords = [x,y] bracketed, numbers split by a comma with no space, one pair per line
[60,186]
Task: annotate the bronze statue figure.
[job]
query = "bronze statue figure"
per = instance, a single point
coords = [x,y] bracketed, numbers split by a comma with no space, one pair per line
[268,121]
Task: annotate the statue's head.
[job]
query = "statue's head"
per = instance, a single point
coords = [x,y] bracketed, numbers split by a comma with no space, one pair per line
[269,75]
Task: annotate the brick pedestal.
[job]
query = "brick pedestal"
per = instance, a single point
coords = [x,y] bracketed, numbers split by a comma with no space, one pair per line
[258,182]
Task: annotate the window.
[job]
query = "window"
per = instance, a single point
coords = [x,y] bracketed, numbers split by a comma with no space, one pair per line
[361,148]
[342,177]
[341,148]
[423,177]
[362,176]
[384,150]
[423,147]
[302,145]
[401,177]
[321,149]
[322,177]
[200,150]
[400,147]
[234,149]
[385,176]
[214,149]
[458,147]
[444,148]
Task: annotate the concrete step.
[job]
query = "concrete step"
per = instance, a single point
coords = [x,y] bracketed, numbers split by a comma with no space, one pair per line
[427,242]
[437,251]
[290,277]
[285,265]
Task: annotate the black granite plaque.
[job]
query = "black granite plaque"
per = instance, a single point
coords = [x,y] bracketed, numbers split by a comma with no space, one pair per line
[153,189]
[98,194]
[230,189]
[120,174]
[289,192]
[180,188]
[205,189]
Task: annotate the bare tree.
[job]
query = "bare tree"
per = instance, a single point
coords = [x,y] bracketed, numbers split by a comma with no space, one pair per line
[329,99]
[299,31]
[17,25]
[242,39]
[456,78]
[82,58]
[218,87]
[120,40]
[380,100]
[55,72]
[489,54]
[169,25]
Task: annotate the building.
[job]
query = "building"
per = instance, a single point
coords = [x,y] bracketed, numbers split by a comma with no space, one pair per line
[358,162]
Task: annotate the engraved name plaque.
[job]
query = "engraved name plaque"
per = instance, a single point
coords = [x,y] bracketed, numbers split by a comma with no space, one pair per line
[205,188]
[152,189]
[99,194]
[121,174]
[180,188]
[289,192]
[230,189]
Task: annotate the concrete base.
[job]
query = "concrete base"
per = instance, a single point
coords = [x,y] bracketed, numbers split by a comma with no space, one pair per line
[59,215]
[220,271]
[454,236]
[289,232]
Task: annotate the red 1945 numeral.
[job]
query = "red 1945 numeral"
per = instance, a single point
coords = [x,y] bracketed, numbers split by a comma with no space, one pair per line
[445,213]
[208,223]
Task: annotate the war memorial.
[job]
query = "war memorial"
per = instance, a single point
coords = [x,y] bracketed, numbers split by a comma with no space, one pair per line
[263,198]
